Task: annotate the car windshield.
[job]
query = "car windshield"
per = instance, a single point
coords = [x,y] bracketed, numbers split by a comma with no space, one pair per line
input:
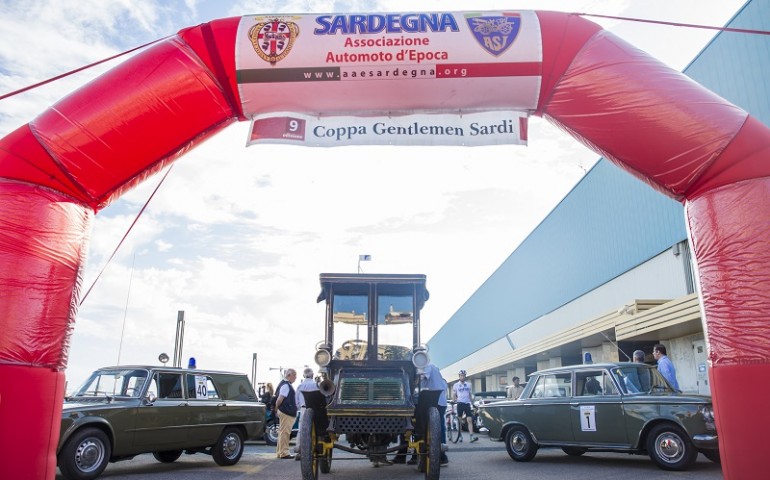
[113,383]
[394,326]
[642,379]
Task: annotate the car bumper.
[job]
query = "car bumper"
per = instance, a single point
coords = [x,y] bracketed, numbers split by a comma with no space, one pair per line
[706,441]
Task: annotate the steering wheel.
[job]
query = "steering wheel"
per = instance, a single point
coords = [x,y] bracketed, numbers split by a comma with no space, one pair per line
[355,349]
[353,343]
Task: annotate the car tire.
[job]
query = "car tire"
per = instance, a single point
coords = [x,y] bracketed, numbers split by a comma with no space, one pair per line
[169,456]
[670,447]
[85,455]
[308,440]
[574,451]
[430,463]
[229,448]
[520,445]
[271,433]
[712,455]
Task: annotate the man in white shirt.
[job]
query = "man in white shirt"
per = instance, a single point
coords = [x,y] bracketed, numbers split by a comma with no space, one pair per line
[463,396]
[514,391]
[308,384]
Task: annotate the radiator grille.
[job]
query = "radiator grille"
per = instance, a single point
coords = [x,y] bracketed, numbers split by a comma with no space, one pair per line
[388,391]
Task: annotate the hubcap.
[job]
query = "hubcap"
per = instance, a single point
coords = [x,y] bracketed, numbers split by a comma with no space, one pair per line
[518,443]
[89,455]
[231,446]
[669,447]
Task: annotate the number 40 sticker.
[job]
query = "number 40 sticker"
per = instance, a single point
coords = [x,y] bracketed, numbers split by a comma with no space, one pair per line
[201,389]
[588,418]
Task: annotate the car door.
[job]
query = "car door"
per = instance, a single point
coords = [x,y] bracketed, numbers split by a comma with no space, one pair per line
[547,410]
[208,411]
[596,411]
[164,423]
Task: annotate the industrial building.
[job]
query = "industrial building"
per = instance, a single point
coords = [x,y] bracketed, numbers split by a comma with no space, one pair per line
[609,270]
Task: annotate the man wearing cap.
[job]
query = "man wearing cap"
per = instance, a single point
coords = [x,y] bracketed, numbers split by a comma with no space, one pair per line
[462,395]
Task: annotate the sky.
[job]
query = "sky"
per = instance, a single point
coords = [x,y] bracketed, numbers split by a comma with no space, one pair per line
[236,237]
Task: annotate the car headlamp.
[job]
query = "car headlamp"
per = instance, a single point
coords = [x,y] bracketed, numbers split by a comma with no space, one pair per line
[323,357]
[420,359]
[707,412]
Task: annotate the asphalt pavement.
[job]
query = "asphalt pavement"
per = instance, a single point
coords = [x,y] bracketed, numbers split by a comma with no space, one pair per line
[482,460]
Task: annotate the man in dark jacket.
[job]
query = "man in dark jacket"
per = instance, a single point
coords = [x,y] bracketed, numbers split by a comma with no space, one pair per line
[286,405]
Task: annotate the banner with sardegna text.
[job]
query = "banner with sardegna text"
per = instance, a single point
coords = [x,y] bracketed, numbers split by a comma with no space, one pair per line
[474,129]
[389,65]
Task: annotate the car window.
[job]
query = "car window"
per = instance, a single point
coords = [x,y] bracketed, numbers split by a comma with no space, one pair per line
[608,386]
[200,387]
[350,326]
[117,382]
[167,385]
[630,380]
[552,386]
[591,383]
[395,327]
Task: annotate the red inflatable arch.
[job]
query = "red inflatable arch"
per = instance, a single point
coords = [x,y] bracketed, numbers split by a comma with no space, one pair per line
[92,146]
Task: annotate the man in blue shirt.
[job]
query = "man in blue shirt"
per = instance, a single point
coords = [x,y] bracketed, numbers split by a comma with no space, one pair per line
[431,380]
[665,367]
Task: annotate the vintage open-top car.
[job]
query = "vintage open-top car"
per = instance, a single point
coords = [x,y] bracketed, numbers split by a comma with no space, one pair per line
[123,411]
[610,407]
[369,361]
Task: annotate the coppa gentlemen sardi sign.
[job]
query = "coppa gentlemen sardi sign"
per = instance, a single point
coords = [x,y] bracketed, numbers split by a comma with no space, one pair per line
[482,128]
[412,78]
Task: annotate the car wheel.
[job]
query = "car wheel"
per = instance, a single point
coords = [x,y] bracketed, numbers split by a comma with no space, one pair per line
[574,451]
[85,455]
[169,456]
[712,455]
[325,463]
[452,429]
[308,440]
[670,447]
[519,444]
[229,448]
[271,433]
[430,463]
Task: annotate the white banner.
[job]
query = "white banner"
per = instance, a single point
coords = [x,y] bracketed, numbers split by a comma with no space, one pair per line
[473,129]
[389,63]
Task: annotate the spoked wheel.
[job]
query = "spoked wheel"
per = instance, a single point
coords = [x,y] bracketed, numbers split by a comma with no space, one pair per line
[308,439]
[430,462]
[453,429]
[325,463]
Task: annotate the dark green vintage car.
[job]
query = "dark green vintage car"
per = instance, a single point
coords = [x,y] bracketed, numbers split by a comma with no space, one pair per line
[611,407]
[123,411]
[369,362]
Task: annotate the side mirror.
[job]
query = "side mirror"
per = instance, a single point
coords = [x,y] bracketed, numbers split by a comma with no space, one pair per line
[150,398]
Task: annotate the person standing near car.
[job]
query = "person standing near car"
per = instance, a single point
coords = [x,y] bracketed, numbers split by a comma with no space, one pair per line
[431,380]
[463,396]
[286,406]
[665,366]
[514,391]
[306,385]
